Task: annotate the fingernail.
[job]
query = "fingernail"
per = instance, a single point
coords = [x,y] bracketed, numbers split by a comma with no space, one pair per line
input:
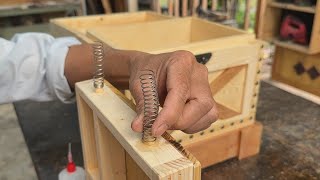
[161,129]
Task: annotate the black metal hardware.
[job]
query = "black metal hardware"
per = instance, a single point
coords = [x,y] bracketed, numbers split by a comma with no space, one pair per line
[203,58]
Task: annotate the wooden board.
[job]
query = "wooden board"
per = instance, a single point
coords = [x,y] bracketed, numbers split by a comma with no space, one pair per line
[292,68]
[78,26]
[105,123]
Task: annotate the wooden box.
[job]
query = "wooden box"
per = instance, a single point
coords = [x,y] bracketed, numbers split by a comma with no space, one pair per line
[233,58]
[270,18]
[112,151]
[297,69]
[78,26]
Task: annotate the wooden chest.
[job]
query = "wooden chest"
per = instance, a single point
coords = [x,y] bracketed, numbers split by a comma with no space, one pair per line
[297,69]
[233,58]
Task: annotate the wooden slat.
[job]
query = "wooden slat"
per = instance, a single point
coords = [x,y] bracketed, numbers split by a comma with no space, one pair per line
[226,113]
[86,124]
[170,7]
[224,78]
[204,4]
[111,155]
[106,6]
[246,21]
[185,7]
[195,4]
[214,5]
[134,172]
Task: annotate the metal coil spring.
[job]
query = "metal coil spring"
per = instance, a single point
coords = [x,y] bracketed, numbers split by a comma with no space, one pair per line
[151,104]
[98,77]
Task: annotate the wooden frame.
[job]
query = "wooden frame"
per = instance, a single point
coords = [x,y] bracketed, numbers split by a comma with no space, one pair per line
[294,68]
[78,26]
[113,151]
[269,21]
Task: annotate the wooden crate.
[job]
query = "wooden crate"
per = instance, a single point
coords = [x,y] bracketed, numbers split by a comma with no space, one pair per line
[297,69]
[113,151]
[234,60]
[269,22]
[78,26]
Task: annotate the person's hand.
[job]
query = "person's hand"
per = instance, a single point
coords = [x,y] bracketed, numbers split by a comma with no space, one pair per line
[183,91]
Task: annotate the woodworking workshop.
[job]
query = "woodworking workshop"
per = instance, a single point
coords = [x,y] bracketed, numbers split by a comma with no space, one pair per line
[159,89]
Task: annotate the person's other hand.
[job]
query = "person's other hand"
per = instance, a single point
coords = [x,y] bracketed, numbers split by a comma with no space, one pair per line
[183,90]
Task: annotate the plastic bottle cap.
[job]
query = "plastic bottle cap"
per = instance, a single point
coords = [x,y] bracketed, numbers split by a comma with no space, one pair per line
[71,167]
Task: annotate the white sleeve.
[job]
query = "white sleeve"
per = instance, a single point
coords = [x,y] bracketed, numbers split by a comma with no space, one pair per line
[32,67]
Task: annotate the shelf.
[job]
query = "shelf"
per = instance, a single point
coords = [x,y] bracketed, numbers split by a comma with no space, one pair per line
[289,6]
[292,46]
[19,11]
[8,32]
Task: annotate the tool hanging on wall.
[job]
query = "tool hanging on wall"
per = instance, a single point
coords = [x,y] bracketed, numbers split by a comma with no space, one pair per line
[294,29]
[150,103]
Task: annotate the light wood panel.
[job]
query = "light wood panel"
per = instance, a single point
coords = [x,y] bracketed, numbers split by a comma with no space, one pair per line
[284,69]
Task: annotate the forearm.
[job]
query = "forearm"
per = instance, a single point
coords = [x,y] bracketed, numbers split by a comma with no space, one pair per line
[79,65]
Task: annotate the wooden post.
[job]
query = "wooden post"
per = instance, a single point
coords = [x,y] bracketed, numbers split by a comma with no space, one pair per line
[195,5]
[214,5]
[106,6]
[176,8]
[185,7]
[132,5]
[246,22]
[204,4]
[170,7]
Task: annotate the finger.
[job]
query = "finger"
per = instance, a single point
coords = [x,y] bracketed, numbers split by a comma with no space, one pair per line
[201,100]
[204,123]
[137,123]
[135,89]
[178,84]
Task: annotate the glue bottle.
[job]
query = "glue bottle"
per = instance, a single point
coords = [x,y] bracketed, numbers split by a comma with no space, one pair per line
[72,172]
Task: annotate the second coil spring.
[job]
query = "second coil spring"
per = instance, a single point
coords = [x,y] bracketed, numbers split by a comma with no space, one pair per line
[151,104]
[98,77]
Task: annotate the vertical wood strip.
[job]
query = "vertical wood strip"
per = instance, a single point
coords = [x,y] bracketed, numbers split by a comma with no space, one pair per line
[246,22]
[214,5]
[185,7]
[87,135]
[111,155]
[204,4]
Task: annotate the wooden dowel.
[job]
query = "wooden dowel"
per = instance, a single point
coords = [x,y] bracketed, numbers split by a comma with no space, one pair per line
[246,22]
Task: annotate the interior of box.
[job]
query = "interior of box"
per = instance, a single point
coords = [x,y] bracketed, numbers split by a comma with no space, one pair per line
[81,24]
[162,34]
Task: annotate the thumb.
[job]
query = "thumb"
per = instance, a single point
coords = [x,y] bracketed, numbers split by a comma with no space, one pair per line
[137,123]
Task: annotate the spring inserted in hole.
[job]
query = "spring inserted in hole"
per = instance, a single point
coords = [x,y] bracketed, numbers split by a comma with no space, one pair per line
[151,104]
[98,55]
